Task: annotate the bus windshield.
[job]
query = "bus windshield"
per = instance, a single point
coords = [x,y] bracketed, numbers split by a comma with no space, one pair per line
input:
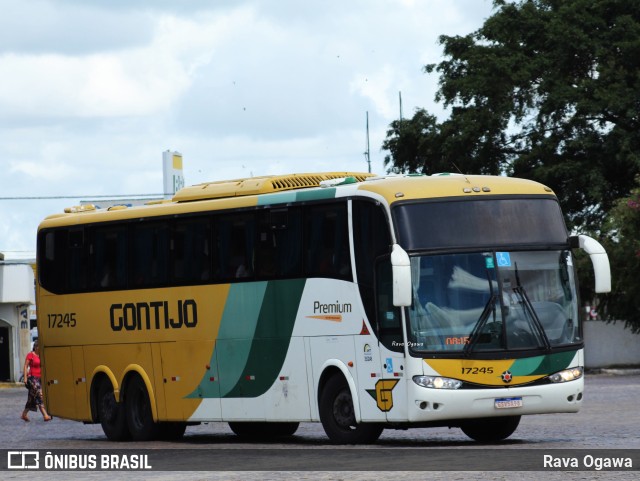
[468,303]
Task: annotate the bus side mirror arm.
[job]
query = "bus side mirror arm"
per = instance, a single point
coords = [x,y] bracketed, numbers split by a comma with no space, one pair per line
[401,272]
[599,260]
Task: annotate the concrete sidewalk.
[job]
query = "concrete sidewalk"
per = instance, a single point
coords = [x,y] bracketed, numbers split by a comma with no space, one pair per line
[6,385]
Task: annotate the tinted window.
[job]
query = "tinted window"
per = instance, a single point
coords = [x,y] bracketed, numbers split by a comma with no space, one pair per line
[266,243]
[388,316]
[279,251]
[191,251]
[77,260]
[108,253]
[51,260]
[481,222]
[234,243]
[371,240]
[327,241]
[150,242]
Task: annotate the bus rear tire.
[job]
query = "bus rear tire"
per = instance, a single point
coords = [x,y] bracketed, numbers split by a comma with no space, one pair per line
[338,416]
[488,430]
[139,414]
[111,414]
[263,430]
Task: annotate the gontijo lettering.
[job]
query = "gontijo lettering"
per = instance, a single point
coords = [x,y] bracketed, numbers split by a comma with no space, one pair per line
[153,315]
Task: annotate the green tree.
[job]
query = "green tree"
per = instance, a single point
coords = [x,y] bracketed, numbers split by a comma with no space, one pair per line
[623,246]
[545,89]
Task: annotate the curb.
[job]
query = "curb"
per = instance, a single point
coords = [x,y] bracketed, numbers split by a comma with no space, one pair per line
[11,385]
[614,371]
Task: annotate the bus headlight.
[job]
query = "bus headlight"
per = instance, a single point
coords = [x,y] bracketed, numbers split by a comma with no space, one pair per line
[437,382]
[566,375]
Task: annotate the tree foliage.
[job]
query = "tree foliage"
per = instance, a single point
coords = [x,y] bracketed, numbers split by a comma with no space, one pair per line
[623,247]
[547,90]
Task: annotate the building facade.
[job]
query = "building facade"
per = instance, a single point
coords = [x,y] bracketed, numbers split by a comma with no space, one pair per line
[17,298]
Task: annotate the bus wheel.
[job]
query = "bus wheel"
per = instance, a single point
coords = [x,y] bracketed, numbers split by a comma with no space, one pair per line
[338,417]
[263,431]
[111,414]
[490,429]
[139,414]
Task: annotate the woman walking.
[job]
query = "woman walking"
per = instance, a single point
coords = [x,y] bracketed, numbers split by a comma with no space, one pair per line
[32,383]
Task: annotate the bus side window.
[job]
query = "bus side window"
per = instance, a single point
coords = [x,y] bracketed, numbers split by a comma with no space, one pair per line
[279,253]
[388,316]
[290,243]
[77,261]
[191,249]
[150,254]
[371,240]
[234,236]
[109,252]
[51,257]
[327,241]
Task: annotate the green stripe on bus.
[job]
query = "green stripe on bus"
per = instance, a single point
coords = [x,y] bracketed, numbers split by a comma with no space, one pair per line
[541,365]
[233,345]
[279,198]
[319,194]
[300,196]
[271,342]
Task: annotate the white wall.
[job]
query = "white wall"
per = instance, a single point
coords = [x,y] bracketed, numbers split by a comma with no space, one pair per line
[17,293]
[17,284]
[608,345]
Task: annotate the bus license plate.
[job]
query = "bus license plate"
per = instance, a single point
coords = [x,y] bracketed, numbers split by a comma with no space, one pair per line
[508,402]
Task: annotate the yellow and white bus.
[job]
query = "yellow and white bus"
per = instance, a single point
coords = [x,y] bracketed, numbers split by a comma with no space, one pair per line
[359,301]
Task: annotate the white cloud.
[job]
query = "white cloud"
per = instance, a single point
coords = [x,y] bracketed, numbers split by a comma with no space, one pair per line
[144,80]
[382,88]
[91,93]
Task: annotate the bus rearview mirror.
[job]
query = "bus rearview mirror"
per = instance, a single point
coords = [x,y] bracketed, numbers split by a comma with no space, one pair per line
[401,271]
[599,260]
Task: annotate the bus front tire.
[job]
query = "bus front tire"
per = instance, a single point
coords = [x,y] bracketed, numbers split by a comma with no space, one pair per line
[138,410]
[488,430]
[111,414]
[338,416]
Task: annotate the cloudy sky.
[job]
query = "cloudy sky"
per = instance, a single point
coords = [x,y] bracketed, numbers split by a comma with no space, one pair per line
[92,92]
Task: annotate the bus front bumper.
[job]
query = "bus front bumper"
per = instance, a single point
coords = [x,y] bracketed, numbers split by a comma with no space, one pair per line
[428,404]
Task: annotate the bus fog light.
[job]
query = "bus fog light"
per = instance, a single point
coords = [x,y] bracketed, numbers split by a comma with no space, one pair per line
[437,382]
[566,375]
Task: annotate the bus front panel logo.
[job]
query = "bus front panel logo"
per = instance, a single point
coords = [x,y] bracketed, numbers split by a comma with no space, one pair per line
[383,394]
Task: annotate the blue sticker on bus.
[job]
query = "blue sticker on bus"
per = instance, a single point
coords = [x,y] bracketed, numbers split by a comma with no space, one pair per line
[504,259]
[389,363]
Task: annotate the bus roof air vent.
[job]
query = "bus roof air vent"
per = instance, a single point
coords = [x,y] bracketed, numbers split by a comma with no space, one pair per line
[262,185]
[80,208]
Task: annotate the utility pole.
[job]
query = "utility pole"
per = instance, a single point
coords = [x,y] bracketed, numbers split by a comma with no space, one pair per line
[367,153]
[400,99]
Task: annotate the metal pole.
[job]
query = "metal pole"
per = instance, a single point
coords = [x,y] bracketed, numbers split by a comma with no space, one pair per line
[367,153]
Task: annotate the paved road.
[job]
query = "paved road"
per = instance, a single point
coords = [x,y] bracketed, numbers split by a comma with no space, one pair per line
[608,420]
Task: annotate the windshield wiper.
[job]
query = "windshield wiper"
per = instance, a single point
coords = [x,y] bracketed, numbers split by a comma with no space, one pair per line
[482,320]
[528,307]
[489,307]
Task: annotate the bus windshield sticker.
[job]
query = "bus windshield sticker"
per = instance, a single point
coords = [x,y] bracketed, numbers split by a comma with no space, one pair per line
[488,260]
[504,259]
[389,362]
